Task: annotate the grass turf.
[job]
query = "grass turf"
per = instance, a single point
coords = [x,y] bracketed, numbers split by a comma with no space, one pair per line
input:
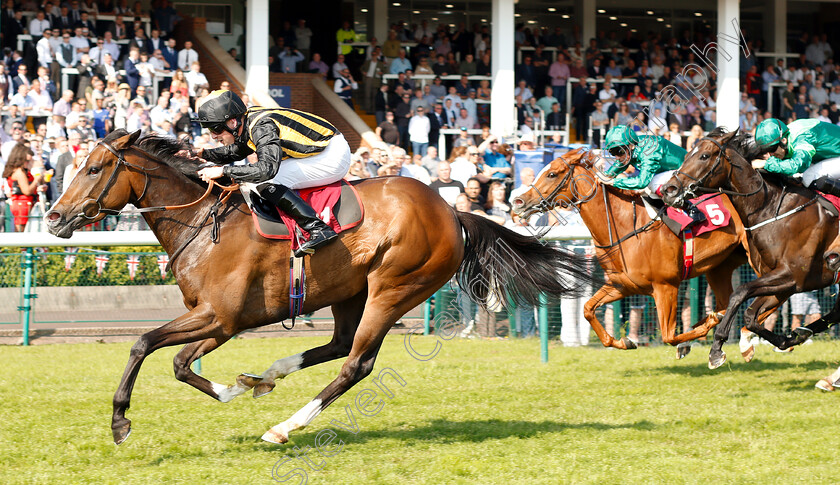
[478,412]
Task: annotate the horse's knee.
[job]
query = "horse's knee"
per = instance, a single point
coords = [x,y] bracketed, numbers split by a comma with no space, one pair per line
[140,348]
[752,325]
[669,340]
[182,368]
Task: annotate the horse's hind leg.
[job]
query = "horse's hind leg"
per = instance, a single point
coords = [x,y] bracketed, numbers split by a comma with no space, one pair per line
[347,316]
[801,334]
[386,303]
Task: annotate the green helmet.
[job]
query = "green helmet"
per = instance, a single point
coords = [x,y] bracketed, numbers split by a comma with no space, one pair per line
[621,135]
[218,107]
[769,133]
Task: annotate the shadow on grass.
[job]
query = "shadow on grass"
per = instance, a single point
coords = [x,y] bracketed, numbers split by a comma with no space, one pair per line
[702,369]
[444,431]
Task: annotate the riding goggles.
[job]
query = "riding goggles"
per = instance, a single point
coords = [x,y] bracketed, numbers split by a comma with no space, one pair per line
[618,152]
[215,128]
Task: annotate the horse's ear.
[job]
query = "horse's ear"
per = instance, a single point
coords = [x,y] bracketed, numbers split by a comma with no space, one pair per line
[126,141]
[725,139]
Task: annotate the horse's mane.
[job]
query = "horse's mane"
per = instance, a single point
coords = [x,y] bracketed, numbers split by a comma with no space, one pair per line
[163,149]
[743,143]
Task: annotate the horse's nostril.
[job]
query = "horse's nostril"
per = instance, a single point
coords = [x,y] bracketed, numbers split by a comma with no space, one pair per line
[832,257]
[53,216]
[517,202]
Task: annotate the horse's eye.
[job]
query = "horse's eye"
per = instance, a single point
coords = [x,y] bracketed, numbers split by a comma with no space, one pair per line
[552,175]
[94,170]
[704,156]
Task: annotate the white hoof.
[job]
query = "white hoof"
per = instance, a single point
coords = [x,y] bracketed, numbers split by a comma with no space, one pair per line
[275,437]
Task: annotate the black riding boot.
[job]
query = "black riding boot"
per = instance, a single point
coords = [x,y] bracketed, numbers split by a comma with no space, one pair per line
[289,202]
[697,216]
[826,185]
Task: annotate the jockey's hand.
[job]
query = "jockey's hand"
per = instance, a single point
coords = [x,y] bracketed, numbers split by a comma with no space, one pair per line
[210,173]
[196,153]
[758,163]
[603,178]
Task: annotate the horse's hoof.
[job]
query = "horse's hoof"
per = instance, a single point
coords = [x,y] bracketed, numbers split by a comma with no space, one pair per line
[715,362]
[824,385]
[748,354]
[800,335]
[628,344]
[121,433]
[248,380]
[274,437]
[263,388]
[682,351]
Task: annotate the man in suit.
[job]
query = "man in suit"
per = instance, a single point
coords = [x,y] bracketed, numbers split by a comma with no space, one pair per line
[85,22]
[118,29]
[437,120]
[106,69]
[132,75]
[139,41]
[62,21]
[155,42]
[22,77]
[13,29]
[170,54]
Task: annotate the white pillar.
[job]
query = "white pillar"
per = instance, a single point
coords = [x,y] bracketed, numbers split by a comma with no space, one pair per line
[502,116]
[585,13]
[380,21]
[728,95]
[256,54]
[779,23]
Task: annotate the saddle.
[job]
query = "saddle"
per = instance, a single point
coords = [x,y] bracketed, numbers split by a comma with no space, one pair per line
[338,204]
[830,203]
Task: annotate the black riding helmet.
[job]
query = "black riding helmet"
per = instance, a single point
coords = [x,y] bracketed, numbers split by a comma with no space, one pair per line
[218,107]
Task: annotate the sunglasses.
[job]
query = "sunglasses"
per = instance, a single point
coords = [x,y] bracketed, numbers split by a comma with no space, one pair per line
[214,128]
[618,151]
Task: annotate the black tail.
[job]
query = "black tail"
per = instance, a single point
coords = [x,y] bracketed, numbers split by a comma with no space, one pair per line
[508,267]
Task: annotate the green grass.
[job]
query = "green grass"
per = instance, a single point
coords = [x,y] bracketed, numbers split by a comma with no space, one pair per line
[479,412]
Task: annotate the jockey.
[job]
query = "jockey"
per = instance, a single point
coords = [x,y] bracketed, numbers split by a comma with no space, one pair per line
[807,146]
[294,150]
[655,158]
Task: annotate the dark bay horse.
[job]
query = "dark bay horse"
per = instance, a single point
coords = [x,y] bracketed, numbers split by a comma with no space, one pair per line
[408,246]
[788,233]
[645,262]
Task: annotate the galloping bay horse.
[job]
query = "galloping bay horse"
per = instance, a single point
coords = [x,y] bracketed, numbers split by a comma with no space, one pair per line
[410,243]
[788,232]
[646,257]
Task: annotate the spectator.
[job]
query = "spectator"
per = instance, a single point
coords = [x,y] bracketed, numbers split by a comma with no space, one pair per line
[345,36]
[547,100]
[498,164]
[400,63]
[464,140]
[402,115]
[187,56]
[464,120]
[289,59]
[21,184]
[372,68]
[132,74]
[338,66]
[818,95]
[195,81]
[447,188]
[316,65]
[344,86]
[600,123]
[387,130]
[303,37]
[522,90]
[391,47]
[431,161]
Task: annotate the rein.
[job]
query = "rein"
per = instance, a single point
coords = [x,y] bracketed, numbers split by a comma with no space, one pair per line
[782,216]
[689,192]
[213,212]
[548,202]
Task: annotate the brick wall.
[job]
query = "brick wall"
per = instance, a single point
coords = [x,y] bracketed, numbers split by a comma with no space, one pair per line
[306,98]
[213,69]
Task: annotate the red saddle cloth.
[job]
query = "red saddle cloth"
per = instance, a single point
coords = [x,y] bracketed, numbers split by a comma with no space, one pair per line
[835,201]
[337,204]
[717,215]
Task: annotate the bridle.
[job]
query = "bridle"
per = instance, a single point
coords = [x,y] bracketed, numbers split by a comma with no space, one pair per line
[121,161]
[698,184]
[227,191]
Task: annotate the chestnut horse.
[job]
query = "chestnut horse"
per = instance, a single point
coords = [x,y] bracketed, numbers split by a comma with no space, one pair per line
[410,244]
[639,256]
[788,232]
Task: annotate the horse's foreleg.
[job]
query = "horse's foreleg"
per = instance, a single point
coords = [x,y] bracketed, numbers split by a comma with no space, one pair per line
[198,324]
[822,324]
[605,294]
[665,296]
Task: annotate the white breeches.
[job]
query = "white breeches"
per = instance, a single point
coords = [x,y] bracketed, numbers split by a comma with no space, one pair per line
[331,165]
[830,167]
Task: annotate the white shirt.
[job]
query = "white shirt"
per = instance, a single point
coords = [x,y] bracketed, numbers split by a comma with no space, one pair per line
[146,72]
[113,48]
[158,115]
[185,59]
[195,79]
[418,129]
[419,173]
[462,170]
[37,27]
[45,52]
[79,43]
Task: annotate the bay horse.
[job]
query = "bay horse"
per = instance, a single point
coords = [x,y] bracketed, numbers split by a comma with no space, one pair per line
[647,258]
[788,233]
[410,243]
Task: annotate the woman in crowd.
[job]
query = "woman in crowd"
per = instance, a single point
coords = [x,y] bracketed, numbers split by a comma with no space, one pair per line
[21,184]
[179,83]
[623,115]
[694,137]
[496,208]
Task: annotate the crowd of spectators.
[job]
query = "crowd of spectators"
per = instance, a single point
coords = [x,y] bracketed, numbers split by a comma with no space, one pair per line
[47,128]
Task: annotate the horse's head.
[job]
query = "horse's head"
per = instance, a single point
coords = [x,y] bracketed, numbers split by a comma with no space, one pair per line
[708,166]
[557,184]
[97,190]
